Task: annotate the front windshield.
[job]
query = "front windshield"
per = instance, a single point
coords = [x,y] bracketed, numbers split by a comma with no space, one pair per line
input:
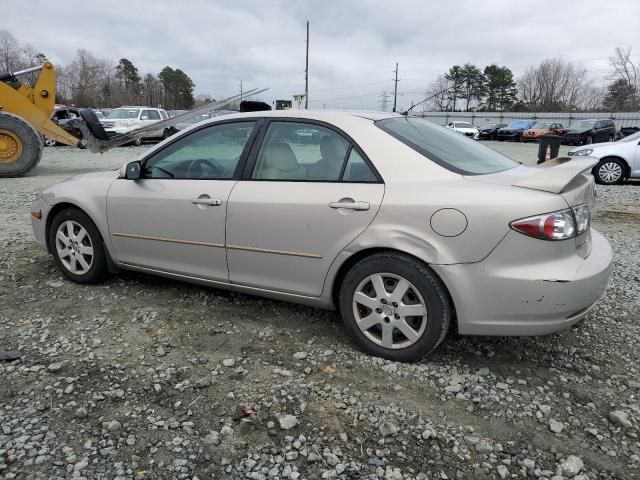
[631,138]
[446,147]
[541,125]
[121,113]
[582,125]
[520,124]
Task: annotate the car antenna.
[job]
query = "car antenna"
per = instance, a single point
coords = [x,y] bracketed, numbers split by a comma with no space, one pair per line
[406,112]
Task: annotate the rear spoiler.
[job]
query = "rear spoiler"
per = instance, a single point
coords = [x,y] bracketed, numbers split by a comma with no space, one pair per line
[556,174]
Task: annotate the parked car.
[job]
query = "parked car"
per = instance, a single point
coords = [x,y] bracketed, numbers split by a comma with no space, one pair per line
[124,119]
[99,114]
[377,216]
[465,128]
[540,129]
[490,131]
[595,130]
[514,130]
[618,160]
[626,131]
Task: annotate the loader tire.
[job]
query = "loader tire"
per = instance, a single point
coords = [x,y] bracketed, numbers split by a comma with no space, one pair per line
[20,146]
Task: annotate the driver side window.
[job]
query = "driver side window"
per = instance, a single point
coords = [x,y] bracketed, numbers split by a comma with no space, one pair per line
[210,153]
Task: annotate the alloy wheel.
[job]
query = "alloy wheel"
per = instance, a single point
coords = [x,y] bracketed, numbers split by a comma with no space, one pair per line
[74,247]
[389,310]
[610,172]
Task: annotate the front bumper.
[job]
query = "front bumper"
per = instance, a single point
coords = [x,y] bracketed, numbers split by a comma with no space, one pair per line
[509,136]
[39,224]
[514,292]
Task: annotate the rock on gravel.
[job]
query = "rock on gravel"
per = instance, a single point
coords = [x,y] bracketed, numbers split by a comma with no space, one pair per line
[555,426]
[620,418]
[571,466]
[287,422]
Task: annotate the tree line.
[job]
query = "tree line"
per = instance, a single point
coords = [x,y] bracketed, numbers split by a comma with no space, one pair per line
[88,81]
[554,85]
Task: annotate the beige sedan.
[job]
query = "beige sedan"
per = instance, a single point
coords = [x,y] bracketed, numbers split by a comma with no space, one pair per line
[407,228]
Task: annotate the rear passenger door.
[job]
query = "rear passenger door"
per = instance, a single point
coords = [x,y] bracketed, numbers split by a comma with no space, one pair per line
[306,193]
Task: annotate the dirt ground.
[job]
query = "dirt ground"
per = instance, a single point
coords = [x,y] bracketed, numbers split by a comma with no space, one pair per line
[143,377]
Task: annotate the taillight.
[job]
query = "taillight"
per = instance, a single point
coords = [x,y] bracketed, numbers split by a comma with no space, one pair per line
[559,225]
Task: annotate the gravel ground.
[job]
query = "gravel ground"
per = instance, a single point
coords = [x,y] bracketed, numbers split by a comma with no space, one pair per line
[144,377]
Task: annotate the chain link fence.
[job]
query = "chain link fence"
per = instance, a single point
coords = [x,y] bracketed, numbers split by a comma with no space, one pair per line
[479,119]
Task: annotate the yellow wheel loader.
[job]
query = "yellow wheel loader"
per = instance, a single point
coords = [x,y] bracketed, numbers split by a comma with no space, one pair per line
[25,113]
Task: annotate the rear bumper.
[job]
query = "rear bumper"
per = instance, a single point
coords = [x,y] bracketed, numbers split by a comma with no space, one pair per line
[530,297]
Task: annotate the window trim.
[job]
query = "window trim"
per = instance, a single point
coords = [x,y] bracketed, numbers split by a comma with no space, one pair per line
[250,164]
[241,161]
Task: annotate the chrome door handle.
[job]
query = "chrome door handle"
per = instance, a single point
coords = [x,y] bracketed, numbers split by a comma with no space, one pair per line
[350,205]
[207,200]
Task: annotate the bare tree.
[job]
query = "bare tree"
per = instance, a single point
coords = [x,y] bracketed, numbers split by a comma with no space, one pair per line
[438,90]
[624,68]
[10,55]
[591,98]
[554,85]
[84,79]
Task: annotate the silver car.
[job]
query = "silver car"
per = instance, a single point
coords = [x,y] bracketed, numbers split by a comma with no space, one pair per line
[405,227]
[617,160]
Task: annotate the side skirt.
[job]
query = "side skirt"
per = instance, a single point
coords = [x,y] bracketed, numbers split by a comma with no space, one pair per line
[318,302]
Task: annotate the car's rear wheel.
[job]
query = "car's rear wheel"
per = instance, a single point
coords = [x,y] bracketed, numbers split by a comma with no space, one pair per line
[77,247]
[609,171]
[395,307]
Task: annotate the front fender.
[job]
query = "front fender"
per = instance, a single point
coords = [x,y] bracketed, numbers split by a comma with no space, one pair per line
[85,192]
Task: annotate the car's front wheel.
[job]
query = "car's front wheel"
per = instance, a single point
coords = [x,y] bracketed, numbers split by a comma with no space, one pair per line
[609,171]
[77,247]
[395,307]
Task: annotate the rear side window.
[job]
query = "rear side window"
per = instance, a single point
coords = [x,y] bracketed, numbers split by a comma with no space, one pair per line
[446,147]
[151,114]
[357,169]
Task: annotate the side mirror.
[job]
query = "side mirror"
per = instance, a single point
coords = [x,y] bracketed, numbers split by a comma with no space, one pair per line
[133,171]
[144,117]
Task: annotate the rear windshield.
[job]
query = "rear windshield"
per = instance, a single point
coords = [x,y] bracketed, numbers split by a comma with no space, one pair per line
[446,147]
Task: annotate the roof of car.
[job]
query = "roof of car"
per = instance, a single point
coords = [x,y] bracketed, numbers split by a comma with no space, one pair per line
[327,115]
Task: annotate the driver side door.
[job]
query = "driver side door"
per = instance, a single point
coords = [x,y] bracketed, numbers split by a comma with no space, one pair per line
[173,218]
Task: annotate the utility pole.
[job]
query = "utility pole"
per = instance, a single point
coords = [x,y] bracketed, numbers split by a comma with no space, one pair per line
[306,73]
[395,89]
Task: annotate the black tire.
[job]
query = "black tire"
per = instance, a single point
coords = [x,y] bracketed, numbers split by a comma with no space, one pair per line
[30,143]
[49,142]
[98,270]
[428,285]
[166,133]
[607,165]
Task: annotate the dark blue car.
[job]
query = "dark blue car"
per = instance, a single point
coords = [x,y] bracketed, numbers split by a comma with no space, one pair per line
[514,130]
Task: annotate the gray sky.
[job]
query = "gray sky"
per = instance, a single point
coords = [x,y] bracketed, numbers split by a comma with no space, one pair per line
[354,44]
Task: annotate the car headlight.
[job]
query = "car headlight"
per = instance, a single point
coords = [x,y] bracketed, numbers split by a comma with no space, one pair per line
[583,152]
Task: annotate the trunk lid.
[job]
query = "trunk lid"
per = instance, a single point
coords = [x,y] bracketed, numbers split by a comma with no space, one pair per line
[569,177]
[566,176]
